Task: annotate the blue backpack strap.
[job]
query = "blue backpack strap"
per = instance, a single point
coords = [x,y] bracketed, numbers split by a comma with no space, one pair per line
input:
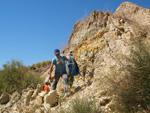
[72,67]
[76,71]
[77,67]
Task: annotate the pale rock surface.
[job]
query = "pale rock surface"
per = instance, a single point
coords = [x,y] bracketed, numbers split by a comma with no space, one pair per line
[15,97]
[39,99]
[28,97]
[51,98]
[38,89]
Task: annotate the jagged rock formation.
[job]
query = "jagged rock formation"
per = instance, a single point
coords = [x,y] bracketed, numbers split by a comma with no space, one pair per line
[134,13]
[103,35]
[31,101]
[103,39]
[97,42]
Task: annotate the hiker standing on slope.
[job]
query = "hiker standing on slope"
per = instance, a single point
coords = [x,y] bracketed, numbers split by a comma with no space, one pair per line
[72,68]
[60,69]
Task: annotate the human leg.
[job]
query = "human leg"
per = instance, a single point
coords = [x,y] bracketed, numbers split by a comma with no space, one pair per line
[70,80]
[65,77]
[56,79]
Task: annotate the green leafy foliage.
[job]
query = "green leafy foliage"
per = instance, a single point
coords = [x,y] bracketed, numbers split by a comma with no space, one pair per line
[83,105]
[40,64]
[15,76]
[133,90]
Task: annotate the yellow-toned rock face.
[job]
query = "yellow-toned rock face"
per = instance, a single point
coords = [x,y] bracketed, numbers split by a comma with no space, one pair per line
[90,45]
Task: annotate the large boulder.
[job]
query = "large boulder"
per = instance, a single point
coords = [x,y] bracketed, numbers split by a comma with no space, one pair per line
[15,97]
[38,89]
[134,12]
[51,98]
[28,97]
[39,99]
[5,97]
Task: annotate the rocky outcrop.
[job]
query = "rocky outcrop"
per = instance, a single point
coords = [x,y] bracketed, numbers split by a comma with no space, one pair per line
[101,40]
[41,103]
[84,30]
[5,97]
[37,90]
[103,36]
[134,13]
[28,97]
[98,44]
[51,98]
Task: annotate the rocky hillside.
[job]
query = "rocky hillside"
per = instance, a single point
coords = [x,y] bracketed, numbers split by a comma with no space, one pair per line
[98,43]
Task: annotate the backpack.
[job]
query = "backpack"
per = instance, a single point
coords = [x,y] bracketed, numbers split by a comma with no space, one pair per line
[72,67]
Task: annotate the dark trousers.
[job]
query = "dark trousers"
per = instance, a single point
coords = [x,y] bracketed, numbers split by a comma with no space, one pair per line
[56,79]
[70,79]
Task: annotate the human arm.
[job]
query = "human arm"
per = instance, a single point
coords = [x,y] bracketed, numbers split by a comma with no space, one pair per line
[68,58]
[50,71]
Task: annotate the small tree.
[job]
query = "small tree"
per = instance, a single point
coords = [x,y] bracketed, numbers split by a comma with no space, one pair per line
[15,76]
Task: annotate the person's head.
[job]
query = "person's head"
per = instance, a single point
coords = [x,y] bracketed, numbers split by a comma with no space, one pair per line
[47,83]
[70,53]
[57,52]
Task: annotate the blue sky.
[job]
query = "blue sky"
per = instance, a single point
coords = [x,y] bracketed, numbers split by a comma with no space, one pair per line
[30,30]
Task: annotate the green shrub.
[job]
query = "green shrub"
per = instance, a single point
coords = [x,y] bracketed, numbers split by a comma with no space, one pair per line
[134,89]
[33,78]
[49,62]
[38,65]
[44,63]
[83,105]
[15,76]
